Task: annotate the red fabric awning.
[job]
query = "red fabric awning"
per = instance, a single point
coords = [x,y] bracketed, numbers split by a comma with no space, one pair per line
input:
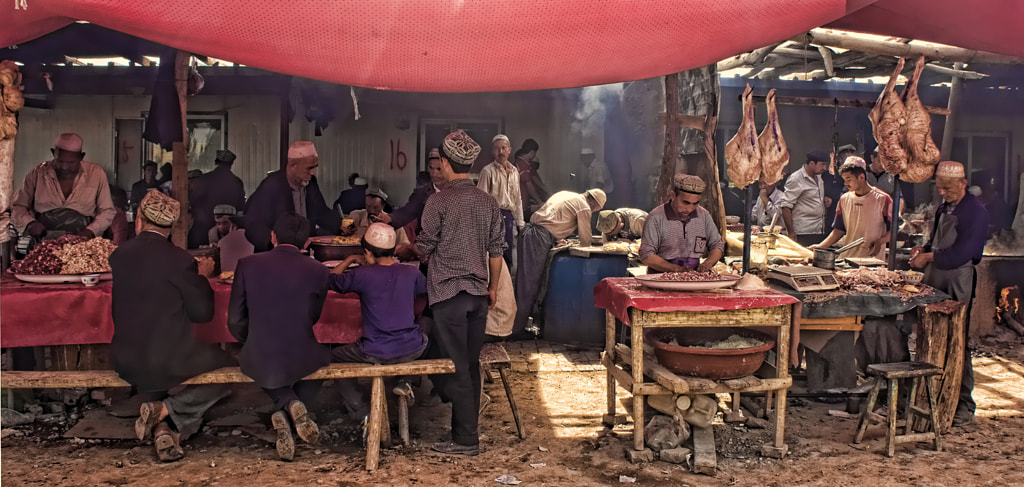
[506,45]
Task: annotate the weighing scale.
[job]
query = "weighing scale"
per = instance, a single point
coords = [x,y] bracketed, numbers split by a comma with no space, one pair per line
[804,278]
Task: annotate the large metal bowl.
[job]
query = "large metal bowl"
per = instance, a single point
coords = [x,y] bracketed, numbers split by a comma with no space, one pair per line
[323,249]
[709,363]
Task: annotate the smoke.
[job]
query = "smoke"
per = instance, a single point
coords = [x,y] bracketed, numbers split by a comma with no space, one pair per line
[591,112]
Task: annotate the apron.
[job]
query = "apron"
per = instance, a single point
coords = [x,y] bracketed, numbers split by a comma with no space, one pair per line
[62,221]
[958,282]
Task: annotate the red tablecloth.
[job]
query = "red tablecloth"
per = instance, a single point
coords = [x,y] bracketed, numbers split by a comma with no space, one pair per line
[618,294]
[71,314]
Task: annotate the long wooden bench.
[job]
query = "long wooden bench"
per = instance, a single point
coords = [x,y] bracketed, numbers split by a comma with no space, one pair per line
[379,431]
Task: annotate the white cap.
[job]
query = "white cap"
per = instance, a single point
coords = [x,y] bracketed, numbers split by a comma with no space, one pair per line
[360,181]
[950,169]
[500,137]
[380,235]
[68,141]
[301,149]
[586,151]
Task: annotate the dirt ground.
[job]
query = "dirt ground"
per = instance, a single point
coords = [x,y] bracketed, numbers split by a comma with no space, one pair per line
[561,394]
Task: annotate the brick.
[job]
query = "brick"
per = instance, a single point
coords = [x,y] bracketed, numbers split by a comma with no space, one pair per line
[675,455]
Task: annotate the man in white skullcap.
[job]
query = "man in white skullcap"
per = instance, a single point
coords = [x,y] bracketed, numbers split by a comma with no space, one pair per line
[598,175]
[955,247]
[678,233]
[500,179]
[65,195]
[863,212]
[387,292]
[564,213]
[290,190]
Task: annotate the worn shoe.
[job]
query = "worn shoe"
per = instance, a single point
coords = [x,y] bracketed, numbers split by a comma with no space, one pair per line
[168,447]
[963,418]
[402,388]
[453,448]
[285,440]
[304,426]
[149,417]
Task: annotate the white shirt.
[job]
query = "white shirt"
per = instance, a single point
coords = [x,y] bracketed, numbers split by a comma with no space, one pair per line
[763,212]
[501,181]
[806,197]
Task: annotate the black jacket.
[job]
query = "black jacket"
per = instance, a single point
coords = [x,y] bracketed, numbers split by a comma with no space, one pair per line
[273,198]
[217,187]
[413,209]
[157,296]
[276,299]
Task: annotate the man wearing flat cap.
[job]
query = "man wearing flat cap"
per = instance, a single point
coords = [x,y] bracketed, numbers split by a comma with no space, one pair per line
[804,202]
[217,187]
[955,247]
[290,190]
[678,233]
[462,240]
[65,195]
[159,291]
[564,213]
[624,223]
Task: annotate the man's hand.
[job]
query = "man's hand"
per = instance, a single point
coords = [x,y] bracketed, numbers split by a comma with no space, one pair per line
[347,231]
[815,246]
[705,266]
[86,233]
[492,297]
[36,229]
[206,266]
[828,202]
[922,259]
[381,218]
[877,246]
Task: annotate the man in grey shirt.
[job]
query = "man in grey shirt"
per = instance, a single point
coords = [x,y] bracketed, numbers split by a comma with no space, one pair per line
[804,202]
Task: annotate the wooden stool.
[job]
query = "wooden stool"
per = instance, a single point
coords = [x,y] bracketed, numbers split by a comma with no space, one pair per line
[893,373]
[494,357]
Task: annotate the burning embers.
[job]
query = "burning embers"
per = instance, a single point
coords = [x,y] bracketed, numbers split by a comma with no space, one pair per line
[1009,311]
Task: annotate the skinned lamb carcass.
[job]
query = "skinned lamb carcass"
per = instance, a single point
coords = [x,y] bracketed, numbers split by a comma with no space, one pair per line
[774,153]
[889,125]
[917,173]
[918,141]
[742,152]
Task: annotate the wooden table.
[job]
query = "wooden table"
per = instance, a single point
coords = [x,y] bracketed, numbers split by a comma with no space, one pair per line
[641,308]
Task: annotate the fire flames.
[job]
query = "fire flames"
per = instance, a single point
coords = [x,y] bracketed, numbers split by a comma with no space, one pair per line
[1007,303]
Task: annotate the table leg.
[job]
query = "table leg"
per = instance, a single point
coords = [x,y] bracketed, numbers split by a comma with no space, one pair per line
[609,350]
[782,371]
[637,346]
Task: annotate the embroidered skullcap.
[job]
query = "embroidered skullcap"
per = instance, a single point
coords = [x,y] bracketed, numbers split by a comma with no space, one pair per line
[950,169]
[69,141]
[225,156]
[301,149]
[688,183]
[853,161]
[159,209]
[500,137]
[380,235]
[598,196]
[460,148]
[587,151]
[378,193]
[221,210]
[606,221]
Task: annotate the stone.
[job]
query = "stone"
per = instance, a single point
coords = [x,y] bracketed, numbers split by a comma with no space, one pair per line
[35,409]
[635,456]
[55,407]
[10,417]
[675,455]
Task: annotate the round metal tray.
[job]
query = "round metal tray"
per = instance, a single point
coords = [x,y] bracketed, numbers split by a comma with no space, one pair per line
[651,282]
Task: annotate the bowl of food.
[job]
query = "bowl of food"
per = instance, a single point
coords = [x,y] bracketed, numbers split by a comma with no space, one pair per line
[732,219]
[912,277]
[328,248]
[711,353]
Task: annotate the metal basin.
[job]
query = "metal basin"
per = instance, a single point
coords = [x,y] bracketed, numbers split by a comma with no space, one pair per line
[709,363]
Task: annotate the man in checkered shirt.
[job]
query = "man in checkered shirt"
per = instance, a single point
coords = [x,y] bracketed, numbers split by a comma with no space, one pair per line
[463,239]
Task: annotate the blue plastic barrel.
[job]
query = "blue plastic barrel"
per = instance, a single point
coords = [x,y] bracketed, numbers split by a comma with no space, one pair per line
[569,312]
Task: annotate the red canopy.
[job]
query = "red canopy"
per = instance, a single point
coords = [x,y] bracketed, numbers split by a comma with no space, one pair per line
[506,45]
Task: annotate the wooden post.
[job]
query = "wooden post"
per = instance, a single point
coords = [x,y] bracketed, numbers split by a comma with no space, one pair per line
[949,129]
[285,127]
[179,178]
[671,153]
[940,342]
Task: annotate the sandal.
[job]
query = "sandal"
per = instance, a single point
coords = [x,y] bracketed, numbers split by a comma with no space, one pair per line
[149,417]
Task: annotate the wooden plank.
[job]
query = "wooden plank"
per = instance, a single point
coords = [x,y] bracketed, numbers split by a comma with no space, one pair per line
[666,378]
[609,352]
[626,381]
[773,316]
[844,323]
[705,460]
[227,375]
[678,384]
[636,360]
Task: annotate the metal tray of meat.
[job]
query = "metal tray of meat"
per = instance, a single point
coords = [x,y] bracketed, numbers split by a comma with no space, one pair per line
[652,282]
[59,278]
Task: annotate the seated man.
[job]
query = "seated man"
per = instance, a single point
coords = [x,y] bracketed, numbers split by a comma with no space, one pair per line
[158,293]
[65,195]
[624,223]
[374,212]
[276,298]
[387,292]
[224,223]
[678,233]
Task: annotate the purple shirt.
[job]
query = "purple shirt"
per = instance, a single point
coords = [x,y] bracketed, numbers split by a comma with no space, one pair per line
[971,233]
[387,294]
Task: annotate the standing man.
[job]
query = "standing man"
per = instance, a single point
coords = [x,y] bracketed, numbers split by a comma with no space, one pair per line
[767,206]
[804,202]
[142,186]
[290,190]
[863,212]
[463,240]
[352,199]
[500,179]
[597,171]
[413,208]
[564,213]
[65,195]
[217,187]
[956,244]
[678,233]
[276,298]
[158,293]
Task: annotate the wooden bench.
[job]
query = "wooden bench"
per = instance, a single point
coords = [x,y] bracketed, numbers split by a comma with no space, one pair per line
[379,426]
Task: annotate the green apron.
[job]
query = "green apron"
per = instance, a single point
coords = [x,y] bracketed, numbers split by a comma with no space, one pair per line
[958,282]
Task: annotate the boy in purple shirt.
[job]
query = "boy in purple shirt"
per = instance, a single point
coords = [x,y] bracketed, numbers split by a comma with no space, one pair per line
[387,291]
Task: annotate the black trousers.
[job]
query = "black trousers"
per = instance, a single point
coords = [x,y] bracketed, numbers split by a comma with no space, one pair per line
[303,390]
[459,325]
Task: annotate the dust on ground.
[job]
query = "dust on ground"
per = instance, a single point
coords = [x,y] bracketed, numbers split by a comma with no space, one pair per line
[561,394]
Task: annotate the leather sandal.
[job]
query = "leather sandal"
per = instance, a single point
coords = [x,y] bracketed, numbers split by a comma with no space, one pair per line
[168,447]
[304,426]
[149,417]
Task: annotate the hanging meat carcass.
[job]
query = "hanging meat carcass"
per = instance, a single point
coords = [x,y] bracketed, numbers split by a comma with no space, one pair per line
[771,144]
[918,141]
[889,125]
[742,153]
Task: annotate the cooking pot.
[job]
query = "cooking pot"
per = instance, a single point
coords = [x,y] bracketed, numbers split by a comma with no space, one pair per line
[324,250]
[826,258]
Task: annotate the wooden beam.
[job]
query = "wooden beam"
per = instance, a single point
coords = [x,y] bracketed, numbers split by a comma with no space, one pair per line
[949,128]
[810,101]
[886,47]
[179,176]
[754,57]
[670,153]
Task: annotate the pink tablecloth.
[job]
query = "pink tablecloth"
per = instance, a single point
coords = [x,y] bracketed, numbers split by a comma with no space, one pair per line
[71,314]
[618,294]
